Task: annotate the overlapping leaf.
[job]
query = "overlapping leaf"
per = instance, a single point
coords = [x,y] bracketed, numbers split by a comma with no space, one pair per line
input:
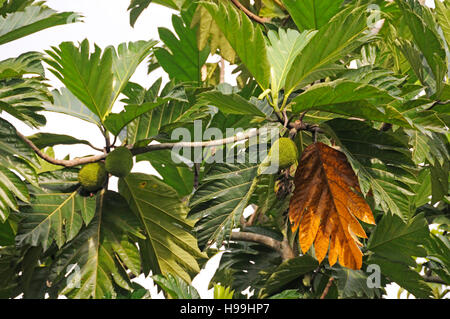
[15,157]
[245,38]
[183,60]
[43,140]
[65,102]
[326,206]
[353,284]
[395,245]
[351,99]
[443,17]
[287,272]
[177,110]
[178,175]
[169,246]
[312,14]
[230,103]
[176,287]
[32,19]
[344,33]
[87,75]
[27,63]
[390,181]
[103,251]
[221,199]
[23,98]
[284,47]
[246,262]
[209,32]
[437,247]
[427,40]
[96,79]
[56,212]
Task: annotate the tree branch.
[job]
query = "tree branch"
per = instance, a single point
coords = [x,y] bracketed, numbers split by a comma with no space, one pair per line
[136,151]
[434,279]
[257,238]
[250,14]
[165,146]
[66,163]
[281,247]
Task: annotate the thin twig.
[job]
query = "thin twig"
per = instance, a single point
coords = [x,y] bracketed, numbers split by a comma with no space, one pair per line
[222,70]
[434,279]
[327,288]
[196,174]
[250,14]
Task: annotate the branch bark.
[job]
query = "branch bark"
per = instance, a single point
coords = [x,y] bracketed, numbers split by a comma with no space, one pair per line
[66,163]
[327,288]
[280,246]
[250,14]
[136,151]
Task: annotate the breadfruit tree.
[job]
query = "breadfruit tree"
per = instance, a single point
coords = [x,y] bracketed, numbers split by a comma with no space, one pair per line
[333,184]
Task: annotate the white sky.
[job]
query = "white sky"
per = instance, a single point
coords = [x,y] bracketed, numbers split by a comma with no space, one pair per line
[106,22]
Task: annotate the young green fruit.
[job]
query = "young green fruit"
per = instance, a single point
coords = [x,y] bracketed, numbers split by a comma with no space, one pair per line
[282,154]
[92,176]
[119,162]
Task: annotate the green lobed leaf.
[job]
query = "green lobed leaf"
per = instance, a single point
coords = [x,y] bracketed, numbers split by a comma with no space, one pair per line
[23,98]
[43,140]
[182,59]
[220,200]
[230,103]
[312,14]
[176,287]
[136,7]
[65,102]
[287,272]
[353,284]
[169,246]
[285,46]
[87,75]
[209,32]
[56,212]
[244,37]
[27,63]
[246,262]
[177,175]
[344,33]
[398,241]
[426,38]
[103,252]
[351,99]
[32,19]
[115,122]
[395,244]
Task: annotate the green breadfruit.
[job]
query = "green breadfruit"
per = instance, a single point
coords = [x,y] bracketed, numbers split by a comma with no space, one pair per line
[92,176]
[282,154]
[119,162]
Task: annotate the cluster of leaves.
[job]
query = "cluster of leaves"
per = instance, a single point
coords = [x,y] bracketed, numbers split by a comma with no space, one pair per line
[373,107]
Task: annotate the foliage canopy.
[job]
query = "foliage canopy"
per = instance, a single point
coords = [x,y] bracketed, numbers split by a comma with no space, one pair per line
[361,88]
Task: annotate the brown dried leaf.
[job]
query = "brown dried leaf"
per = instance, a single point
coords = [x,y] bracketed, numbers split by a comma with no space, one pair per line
[326,205]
